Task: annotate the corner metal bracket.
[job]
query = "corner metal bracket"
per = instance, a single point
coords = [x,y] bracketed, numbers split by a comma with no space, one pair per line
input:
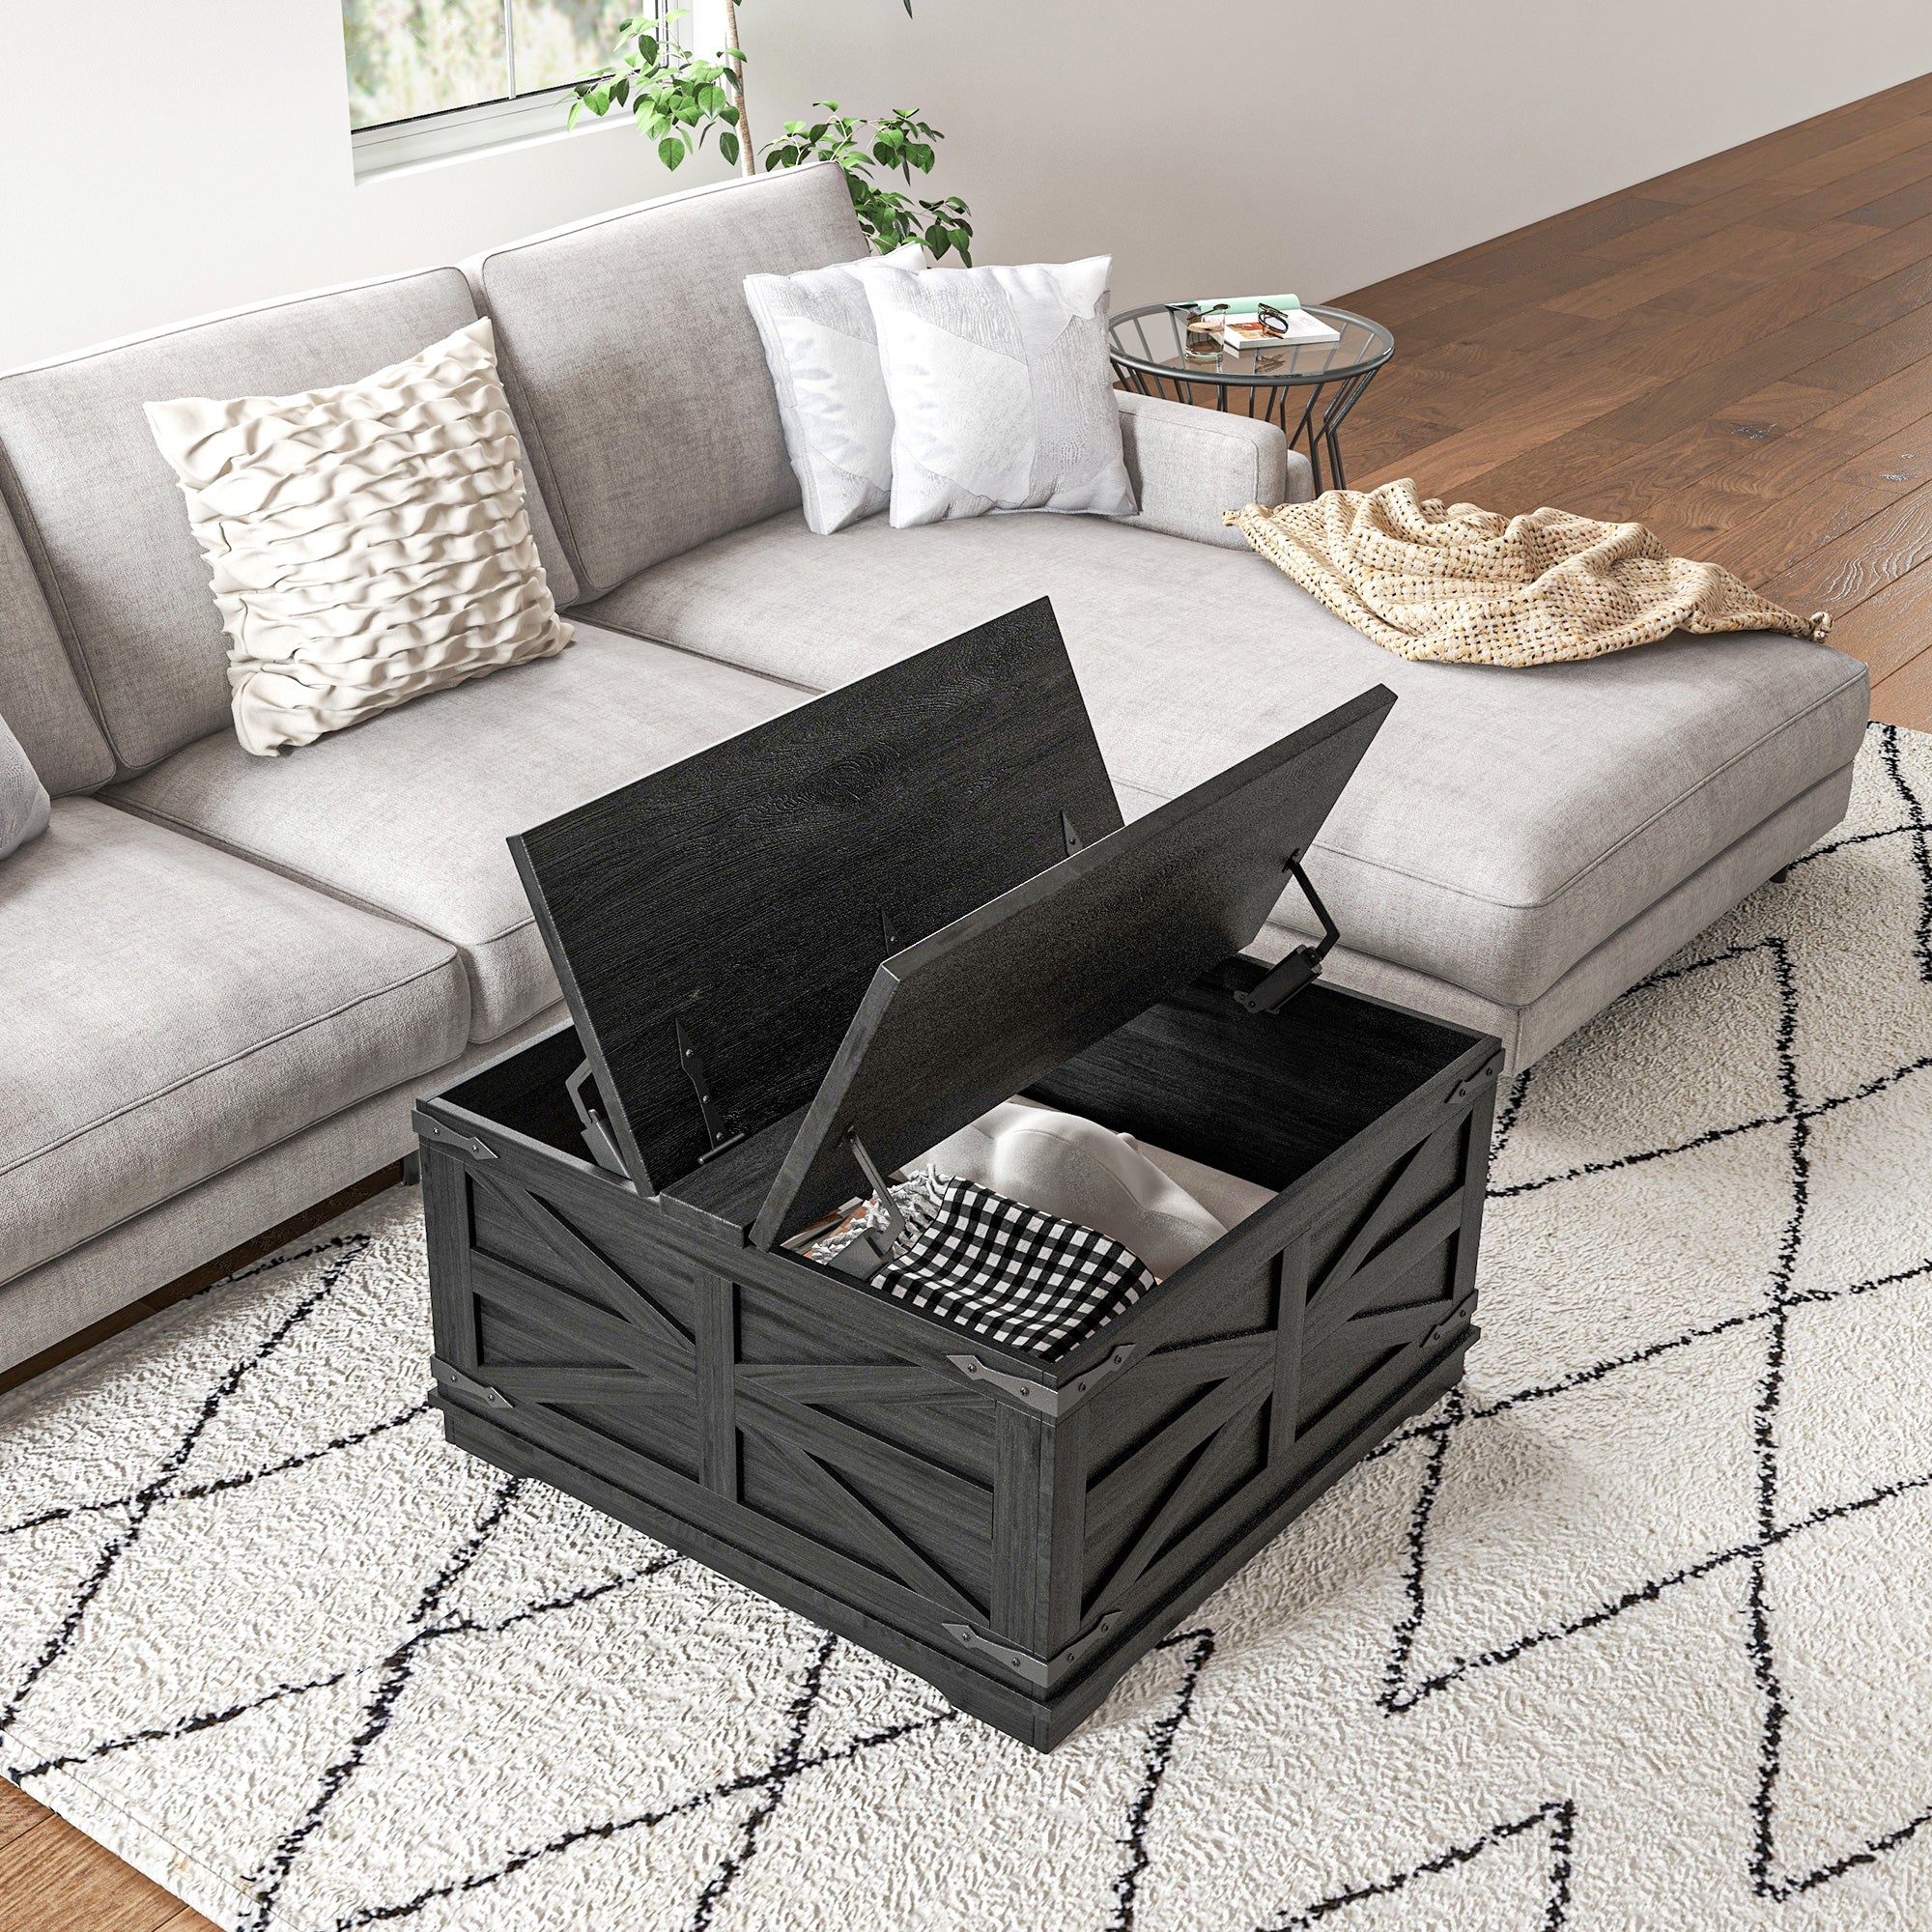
[1303,966]
[1053,1402]
[435,1130]
[1462,1089]
[1449,1323]
[454,1378]
[701,1084]
[1021,1662]
[1073,838]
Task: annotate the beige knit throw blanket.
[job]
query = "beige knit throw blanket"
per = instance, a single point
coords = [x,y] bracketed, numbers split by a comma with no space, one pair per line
[1464,585]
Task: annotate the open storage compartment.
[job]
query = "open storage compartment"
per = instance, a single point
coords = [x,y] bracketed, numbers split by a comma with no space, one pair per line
[872,918]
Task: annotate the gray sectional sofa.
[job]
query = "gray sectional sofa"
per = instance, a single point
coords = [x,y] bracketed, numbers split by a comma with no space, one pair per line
[225,978]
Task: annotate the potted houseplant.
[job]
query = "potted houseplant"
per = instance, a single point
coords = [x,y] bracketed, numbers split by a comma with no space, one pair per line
[678,98]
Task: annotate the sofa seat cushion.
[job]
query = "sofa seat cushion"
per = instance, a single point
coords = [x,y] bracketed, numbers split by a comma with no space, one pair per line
[171,1010]
[1502,825]
[407,812]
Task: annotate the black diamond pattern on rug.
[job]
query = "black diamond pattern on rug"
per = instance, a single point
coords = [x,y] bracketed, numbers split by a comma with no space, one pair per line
[1639,1613]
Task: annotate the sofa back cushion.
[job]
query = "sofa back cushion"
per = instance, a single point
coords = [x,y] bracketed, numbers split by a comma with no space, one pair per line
[634,367]
[39,698]
[102,512]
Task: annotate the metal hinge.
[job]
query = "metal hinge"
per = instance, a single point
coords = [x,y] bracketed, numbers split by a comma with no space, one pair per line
[1054,1402]
[1302,967]
[701,1084]
[435,1130]
[454,1378]
[1022,1664]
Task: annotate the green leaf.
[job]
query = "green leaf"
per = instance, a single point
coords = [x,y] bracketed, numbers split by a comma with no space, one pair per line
[670,153]
[727,146]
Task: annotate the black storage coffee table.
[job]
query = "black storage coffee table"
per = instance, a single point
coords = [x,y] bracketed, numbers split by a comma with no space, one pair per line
[830,942]
[1307,388]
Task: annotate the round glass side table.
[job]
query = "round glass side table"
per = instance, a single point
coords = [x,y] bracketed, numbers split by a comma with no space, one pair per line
[1308,389]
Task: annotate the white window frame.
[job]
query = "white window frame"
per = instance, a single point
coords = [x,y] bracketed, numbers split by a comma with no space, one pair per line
[488,127]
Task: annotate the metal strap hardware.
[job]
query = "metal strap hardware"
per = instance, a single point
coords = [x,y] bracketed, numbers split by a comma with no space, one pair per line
[701,1084]
[896,1226]
[1054,1402]
[1024,1665]
[1303,966]
[1463,1088]
[1449,1323]
[583,1088]
[887,933]
[1073,838]
[435,1130]
[454,1378]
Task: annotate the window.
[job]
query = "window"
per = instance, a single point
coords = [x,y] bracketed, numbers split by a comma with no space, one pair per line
[434,77]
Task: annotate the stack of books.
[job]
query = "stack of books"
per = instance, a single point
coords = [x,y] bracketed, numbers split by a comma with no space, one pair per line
[1265,322]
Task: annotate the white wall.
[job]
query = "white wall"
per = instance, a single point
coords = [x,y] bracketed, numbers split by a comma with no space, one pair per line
[1277,144]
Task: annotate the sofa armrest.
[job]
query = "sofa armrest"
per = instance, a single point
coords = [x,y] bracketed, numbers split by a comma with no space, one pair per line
[1189,464]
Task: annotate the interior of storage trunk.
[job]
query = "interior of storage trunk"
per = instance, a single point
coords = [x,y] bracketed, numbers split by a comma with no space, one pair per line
[1262,1096]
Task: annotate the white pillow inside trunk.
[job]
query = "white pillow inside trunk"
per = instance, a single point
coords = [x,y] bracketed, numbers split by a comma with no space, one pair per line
[1077,1170]
[368,543]
[1001,393]
[823,354]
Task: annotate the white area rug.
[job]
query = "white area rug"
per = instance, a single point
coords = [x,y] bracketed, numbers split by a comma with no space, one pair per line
[1635,1631]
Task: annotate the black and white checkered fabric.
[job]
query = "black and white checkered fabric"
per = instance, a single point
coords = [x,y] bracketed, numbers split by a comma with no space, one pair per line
[1020,1278]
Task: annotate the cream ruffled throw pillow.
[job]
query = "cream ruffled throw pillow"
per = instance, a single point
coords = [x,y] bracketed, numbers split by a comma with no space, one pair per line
[368,543]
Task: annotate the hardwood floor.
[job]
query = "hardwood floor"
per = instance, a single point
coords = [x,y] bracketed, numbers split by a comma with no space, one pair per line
[1738,354]
[52,1879]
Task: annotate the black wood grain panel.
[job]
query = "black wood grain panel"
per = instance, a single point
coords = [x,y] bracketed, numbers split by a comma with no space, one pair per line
[1265,1096]
[1062,1520]
[936,1544]
[574,1324]
[717,1383]
[1119,1502]
[580,1261]
[749,891]
[1021,1552]
[959,1022]
[1291,1311]
[445,1186]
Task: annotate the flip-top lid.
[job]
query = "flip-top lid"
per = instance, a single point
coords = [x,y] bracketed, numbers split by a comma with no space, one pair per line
[716,924]
[967,1017]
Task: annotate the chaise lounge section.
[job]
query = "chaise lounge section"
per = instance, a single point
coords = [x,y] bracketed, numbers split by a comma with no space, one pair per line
[227,976]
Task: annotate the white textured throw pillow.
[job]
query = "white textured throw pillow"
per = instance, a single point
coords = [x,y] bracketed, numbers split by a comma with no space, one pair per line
[368,543]
[824,358]
[1075,1169]
[24,798]
[1001,390]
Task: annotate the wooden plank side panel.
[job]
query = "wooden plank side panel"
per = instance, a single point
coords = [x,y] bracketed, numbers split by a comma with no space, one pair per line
[448,1232]
[717,1383]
